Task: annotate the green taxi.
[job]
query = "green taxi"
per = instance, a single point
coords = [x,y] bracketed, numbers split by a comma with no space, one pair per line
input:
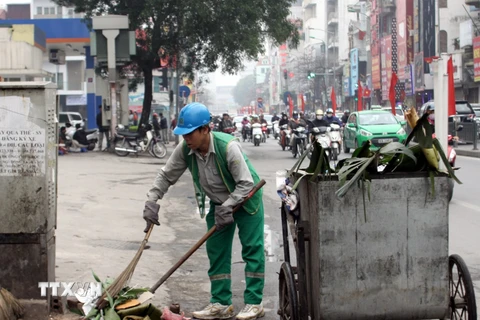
[381,127]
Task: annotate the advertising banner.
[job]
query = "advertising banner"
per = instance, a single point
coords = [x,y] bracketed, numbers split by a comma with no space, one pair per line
[353,70]
[476,58]
[376,75]
[386,66]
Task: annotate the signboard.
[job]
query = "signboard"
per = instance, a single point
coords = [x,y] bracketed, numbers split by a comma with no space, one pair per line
[76,100]
[386,66]
[476,58]
[419,81]
[404,13]
[409,82]
[23,150]
[376,75]
[353,70]
[346,87]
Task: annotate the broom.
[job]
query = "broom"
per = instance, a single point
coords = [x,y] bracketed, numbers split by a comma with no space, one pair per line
[119,283]
[10,307]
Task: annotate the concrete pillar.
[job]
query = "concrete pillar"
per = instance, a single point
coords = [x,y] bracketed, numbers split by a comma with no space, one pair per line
[91,103]
[123,101]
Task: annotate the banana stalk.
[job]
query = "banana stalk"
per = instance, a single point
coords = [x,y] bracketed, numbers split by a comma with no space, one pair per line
[420,126]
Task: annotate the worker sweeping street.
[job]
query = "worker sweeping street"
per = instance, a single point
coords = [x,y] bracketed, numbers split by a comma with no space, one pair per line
[221,171]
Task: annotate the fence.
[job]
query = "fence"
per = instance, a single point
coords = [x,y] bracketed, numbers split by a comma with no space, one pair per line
[469,133]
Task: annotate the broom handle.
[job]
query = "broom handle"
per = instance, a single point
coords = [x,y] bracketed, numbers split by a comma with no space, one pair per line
[210,232]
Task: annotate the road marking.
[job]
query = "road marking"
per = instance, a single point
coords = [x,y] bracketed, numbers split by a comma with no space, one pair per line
[467,205]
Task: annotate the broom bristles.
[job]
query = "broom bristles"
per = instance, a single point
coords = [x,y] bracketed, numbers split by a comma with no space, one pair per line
[120,282]
[10,307]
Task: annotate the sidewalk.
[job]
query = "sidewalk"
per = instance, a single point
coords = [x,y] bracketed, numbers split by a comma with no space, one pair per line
[100,226]
[467,150]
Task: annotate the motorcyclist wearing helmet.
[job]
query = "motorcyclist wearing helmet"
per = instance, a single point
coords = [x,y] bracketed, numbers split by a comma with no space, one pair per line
[275,117]
[331,118]
[156,125]
[221,171]
[294,123]
[319,120]
[345,116]
[430,110]
[283,120]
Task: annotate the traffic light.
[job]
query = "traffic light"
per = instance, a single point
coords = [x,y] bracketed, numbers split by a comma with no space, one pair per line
[356,95]
[285,74]
[310,75]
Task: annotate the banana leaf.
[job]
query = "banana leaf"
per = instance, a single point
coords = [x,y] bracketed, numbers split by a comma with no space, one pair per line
[363,151]
[401,162]
[357,165]
[393,148]
[450,170]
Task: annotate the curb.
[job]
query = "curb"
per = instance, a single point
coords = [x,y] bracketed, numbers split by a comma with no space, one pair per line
[468,153]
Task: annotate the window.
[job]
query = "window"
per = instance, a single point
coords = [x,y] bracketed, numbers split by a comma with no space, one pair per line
[70,13]
[59,10]
[39,10]
[443,39]
[52,10]
[46,11]
[63,118]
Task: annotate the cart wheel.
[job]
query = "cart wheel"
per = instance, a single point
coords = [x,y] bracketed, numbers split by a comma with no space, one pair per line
[462,294]
[288,306]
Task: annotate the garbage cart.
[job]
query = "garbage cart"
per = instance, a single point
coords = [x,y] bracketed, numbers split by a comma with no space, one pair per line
[381,252]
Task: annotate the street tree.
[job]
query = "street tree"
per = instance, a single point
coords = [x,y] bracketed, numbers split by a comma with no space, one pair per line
[197,34]
[245,90]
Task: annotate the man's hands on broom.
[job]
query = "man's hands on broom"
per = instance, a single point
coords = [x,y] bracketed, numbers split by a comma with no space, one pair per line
[150,214]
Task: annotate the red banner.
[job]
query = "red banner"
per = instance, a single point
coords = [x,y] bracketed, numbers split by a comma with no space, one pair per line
[476,58]
[333,97]
[451,89]
[391,94]
[360,97]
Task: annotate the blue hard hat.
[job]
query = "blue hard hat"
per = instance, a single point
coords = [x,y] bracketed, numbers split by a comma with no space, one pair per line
[192,116]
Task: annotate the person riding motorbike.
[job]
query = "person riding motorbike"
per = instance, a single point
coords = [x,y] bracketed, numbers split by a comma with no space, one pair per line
[294,123]
[345,116]
[320,120]
[226,123]
[245,122]
[283,120]
[275,117]
[331,118]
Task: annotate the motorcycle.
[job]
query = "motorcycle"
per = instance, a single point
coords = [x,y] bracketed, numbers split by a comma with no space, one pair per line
[264,132]
[284,136]
[257,134]
[229,130]
[246,128]
[138,142]
[335,139]
[320,135]
[275,130]
[299,144]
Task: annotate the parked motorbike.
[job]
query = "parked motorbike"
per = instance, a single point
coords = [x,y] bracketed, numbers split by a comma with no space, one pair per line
[320,135]
[299,135]
[139,142]
[257,134]
[275,130]
[284,136]
[335,139]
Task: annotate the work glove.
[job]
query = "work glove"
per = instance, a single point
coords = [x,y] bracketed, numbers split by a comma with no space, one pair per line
[150,214]
[223,216]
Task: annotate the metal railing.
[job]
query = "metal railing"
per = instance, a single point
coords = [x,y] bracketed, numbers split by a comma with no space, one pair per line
[468,135]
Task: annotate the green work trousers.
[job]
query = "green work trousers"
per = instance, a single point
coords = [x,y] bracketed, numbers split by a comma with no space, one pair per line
[219,251]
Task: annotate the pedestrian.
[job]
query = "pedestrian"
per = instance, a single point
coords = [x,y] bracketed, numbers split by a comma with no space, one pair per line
[173,124]
[156,125]
[135,118]
[103,130]
[164,128]
[221,171]
[130,118]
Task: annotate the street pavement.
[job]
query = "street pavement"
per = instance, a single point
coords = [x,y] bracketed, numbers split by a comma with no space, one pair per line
[100,226]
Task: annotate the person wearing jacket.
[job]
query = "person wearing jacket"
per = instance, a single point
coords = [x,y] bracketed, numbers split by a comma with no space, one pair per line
[221,171]
[331,118]
[102,130]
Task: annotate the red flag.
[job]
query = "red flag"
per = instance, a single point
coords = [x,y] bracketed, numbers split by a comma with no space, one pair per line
[333,97]
[290,103]
[451,89]
[302,102]
[359,96]
[391,93]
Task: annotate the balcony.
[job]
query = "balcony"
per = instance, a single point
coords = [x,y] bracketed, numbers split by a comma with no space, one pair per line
[332,18]
[475,3]
[333,43]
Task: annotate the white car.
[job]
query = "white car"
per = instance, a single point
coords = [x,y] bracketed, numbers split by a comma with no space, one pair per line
[398,110]
[72,117]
